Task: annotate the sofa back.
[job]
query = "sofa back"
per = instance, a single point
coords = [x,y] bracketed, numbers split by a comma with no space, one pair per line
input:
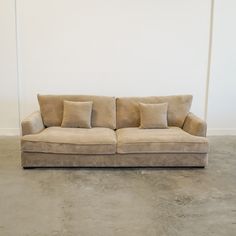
[103,113]
[127,109]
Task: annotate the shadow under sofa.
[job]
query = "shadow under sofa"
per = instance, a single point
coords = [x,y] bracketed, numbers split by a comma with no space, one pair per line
[115,139]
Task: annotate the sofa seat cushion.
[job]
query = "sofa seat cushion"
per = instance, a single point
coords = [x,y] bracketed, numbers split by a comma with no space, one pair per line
[171,140]
[71,141]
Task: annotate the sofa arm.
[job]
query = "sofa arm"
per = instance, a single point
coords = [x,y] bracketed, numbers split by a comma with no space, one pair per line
[194,125]
[32,124]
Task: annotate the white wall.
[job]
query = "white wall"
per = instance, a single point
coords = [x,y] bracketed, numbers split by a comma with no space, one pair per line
[9,120]
[222,93]
[119,48]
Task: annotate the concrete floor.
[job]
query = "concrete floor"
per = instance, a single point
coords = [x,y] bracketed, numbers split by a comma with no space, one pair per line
[119,202]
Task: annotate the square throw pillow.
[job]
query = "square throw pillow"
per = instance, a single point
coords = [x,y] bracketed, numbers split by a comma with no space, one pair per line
[77,114]
[153,116]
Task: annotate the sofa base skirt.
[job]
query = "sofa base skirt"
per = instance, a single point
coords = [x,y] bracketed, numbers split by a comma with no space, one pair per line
[32,159]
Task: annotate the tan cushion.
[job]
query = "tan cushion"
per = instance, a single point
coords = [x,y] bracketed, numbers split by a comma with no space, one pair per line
[77,114]
[153,116]
[103,112]
[71,141]
[128,109]
[171,140]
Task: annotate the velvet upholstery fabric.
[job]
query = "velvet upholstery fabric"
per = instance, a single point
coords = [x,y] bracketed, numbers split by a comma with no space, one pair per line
[153,116]
[171,140]
[194,125]
[129,146]
[127,109]
[114,160]
[77,114]
[71,141]
[32,124]
[103,112]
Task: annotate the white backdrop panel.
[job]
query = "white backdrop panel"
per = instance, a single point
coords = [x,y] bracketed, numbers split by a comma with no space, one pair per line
[119,48]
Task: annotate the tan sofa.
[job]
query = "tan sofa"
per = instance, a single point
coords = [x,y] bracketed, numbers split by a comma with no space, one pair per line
[115,139]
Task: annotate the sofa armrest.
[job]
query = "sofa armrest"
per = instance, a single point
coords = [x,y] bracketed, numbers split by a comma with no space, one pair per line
[32,124]
[195,125]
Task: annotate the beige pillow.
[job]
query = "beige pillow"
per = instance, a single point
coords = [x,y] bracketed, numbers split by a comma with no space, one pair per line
[153,116]
[77,114]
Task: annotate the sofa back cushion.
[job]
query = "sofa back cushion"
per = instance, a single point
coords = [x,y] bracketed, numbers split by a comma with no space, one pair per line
[103,112]
[128,115]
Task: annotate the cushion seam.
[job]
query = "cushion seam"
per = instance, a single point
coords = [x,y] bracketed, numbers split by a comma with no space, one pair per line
[82,144]
[160,142]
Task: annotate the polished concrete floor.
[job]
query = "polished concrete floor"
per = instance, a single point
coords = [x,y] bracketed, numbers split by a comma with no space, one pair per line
[119,202]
